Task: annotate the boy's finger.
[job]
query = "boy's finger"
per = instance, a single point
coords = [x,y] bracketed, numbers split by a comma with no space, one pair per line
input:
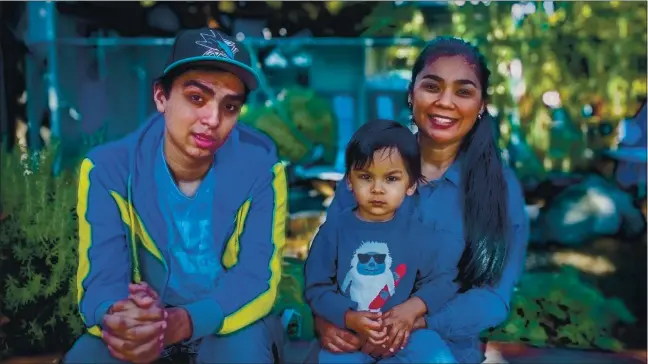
[373,315]
[378,343]
[377,334]
[372,325]
[142,299]
[116,354]
[143,287]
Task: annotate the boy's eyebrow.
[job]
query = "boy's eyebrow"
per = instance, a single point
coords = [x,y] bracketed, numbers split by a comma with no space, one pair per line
[204,88]
[236,97]
[395,171]
[210,91]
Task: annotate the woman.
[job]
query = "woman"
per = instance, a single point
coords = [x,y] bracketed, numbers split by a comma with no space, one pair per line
[470,193]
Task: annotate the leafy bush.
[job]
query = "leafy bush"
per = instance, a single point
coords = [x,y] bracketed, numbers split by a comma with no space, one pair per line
[560,309]
[38,246]
[291,297]
[312,119]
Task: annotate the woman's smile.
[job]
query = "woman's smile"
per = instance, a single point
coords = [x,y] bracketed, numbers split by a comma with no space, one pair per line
[442,122]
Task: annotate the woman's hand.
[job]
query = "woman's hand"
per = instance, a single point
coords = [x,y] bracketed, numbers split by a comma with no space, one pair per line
[401,320]
[420,323]
[334,339]
[376,351]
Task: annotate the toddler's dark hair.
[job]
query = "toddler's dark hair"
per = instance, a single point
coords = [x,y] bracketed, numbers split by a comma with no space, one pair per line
[384,134]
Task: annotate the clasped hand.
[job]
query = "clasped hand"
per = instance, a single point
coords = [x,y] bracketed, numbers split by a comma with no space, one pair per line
[399,323]
[134,328]
[368,325]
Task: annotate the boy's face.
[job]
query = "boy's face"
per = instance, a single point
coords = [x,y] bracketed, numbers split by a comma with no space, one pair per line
[200,111]
[381,187]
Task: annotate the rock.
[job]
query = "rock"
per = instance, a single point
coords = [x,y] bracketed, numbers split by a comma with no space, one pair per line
[590,209]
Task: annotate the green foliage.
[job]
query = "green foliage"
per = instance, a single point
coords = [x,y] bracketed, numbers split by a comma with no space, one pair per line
[308,115]
[38,242]
[560,309]
[387,19]
[590,52]
[587,51]
[291,296]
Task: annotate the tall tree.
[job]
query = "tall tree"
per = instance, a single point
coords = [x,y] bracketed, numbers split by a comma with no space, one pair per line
[588,52]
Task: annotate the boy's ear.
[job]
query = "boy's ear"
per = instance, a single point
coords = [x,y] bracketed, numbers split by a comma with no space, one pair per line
[412,189]
[348,184]
[159,98]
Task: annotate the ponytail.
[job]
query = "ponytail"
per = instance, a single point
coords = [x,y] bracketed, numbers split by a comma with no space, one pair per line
[485,215]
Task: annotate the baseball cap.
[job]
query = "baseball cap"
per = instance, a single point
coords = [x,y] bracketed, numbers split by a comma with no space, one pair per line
[212,45]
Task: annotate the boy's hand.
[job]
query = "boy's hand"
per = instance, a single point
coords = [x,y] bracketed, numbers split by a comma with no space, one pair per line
[400,320]
[133,333]
[368,325]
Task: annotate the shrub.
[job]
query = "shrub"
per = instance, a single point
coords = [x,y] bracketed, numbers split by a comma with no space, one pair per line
[312,119]
[559,309]
[38,246]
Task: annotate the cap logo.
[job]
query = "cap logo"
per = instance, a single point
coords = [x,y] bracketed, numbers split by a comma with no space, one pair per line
[217,46]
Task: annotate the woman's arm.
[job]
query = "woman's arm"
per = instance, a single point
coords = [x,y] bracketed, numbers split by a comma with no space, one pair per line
[435,281]
[478,309]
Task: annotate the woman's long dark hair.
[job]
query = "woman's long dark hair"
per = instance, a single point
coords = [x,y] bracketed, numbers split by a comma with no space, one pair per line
[483,187]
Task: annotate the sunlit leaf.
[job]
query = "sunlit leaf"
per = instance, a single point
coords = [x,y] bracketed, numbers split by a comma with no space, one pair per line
[226,6]
[311,9]
[334,7]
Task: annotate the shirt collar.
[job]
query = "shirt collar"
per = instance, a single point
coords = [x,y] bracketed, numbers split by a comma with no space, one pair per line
[453,172]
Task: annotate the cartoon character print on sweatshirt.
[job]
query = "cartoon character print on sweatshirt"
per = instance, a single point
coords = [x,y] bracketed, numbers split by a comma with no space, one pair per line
[370,280]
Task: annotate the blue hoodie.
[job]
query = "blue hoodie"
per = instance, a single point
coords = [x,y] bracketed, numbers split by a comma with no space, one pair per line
[122,238]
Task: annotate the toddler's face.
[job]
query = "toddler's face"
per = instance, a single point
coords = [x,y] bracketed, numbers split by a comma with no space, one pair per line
[381,187]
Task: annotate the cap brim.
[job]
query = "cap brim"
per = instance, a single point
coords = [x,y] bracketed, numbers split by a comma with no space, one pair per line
[244,72]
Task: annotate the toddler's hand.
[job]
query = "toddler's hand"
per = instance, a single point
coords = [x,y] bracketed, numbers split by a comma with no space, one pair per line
[368,325]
